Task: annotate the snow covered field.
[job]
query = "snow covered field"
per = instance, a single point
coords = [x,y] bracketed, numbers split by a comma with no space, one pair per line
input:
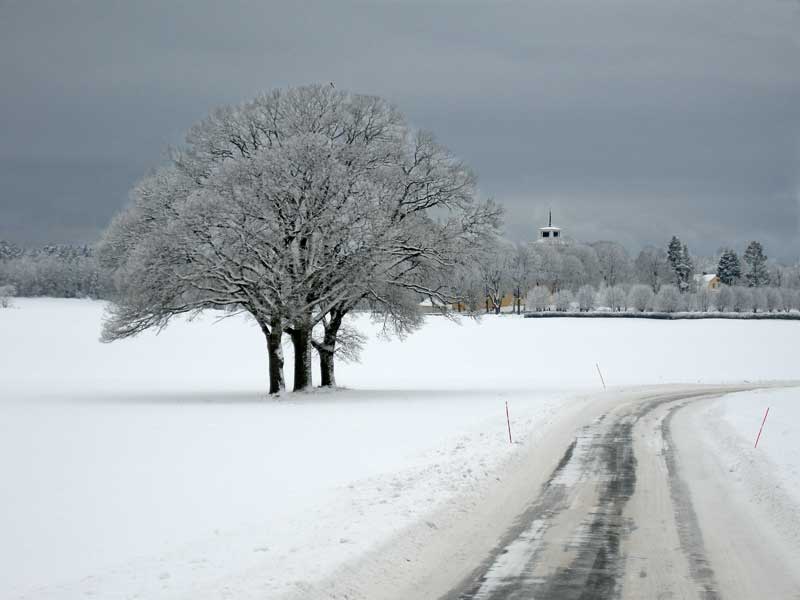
[155,468]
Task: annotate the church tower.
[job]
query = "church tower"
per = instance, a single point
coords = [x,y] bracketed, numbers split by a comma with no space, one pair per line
[549,233]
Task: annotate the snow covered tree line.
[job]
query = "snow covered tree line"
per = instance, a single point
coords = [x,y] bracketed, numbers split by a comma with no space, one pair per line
[539,276]
[583,277]
[60,270]
[298,208]
[601,270]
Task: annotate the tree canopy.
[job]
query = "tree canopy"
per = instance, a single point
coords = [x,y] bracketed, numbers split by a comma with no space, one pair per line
[296,207]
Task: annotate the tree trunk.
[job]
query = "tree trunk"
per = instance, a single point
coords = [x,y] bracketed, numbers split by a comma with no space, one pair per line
[301,342]
[327,349]
[274,333]
[326,368]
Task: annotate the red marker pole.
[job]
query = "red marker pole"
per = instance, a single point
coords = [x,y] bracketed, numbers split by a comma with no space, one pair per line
[508,421]
[601,374]
[758,437]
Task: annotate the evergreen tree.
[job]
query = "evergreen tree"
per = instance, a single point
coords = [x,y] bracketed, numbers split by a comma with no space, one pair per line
[674,255]
[681,263]
[757,274]
[729,269]
[686,268]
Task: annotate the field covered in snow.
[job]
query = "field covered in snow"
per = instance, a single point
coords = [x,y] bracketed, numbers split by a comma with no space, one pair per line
[156,468]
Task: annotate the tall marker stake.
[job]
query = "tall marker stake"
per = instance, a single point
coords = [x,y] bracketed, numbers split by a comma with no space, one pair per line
[601,374]
[508,421]
[758,437]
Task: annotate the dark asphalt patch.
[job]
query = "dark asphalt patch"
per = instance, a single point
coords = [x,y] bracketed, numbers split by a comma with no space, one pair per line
[596,569]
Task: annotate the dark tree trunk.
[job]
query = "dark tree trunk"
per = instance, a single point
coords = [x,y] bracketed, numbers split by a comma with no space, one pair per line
[301,343]
[327,349]
[273,332]
[326,367]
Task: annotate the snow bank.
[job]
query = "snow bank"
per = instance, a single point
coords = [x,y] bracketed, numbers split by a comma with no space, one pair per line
[764,481]
[155,467]
[780,440]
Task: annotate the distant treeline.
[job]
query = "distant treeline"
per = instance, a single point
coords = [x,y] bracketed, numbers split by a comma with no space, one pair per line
[57,270]
[568,275]
[662,316]
[538,276]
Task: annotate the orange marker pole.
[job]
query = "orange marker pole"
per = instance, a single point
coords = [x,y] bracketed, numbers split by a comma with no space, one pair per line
[601,374]
[508,421]
[758,437]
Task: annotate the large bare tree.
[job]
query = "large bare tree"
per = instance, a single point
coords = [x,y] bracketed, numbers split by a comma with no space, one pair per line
[296,207]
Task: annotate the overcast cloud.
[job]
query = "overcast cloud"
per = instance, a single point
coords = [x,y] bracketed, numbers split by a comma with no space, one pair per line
[631,120]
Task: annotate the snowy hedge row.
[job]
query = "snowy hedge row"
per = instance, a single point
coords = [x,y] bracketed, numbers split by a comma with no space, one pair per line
[642,299]
[784,316]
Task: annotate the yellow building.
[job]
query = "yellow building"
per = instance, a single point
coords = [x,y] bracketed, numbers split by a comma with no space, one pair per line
[709,281]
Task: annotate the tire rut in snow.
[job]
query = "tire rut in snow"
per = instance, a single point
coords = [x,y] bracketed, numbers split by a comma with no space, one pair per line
[500,571]
[601,461]
[689,534]
[596,569]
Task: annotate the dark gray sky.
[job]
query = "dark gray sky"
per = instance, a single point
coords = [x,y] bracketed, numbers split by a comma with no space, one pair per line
[632,120]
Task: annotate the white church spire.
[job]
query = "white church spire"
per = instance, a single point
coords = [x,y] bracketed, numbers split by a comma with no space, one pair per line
[549,233]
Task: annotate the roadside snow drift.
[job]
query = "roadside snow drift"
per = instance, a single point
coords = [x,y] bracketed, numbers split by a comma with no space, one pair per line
[733,425]
[156,468]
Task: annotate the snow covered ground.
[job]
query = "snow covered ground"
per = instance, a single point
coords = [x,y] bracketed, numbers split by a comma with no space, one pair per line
[780,438]
[155,468]
[767,477]
[746,500]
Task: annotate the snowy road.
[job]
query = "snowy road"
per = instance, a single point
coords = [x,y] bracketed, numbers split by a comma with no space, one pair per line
[628,513]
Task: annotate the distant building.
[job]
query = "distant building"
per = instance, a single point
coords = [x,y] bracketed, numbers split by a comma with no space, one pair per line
[549,233]
[709,281]
[434,306]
